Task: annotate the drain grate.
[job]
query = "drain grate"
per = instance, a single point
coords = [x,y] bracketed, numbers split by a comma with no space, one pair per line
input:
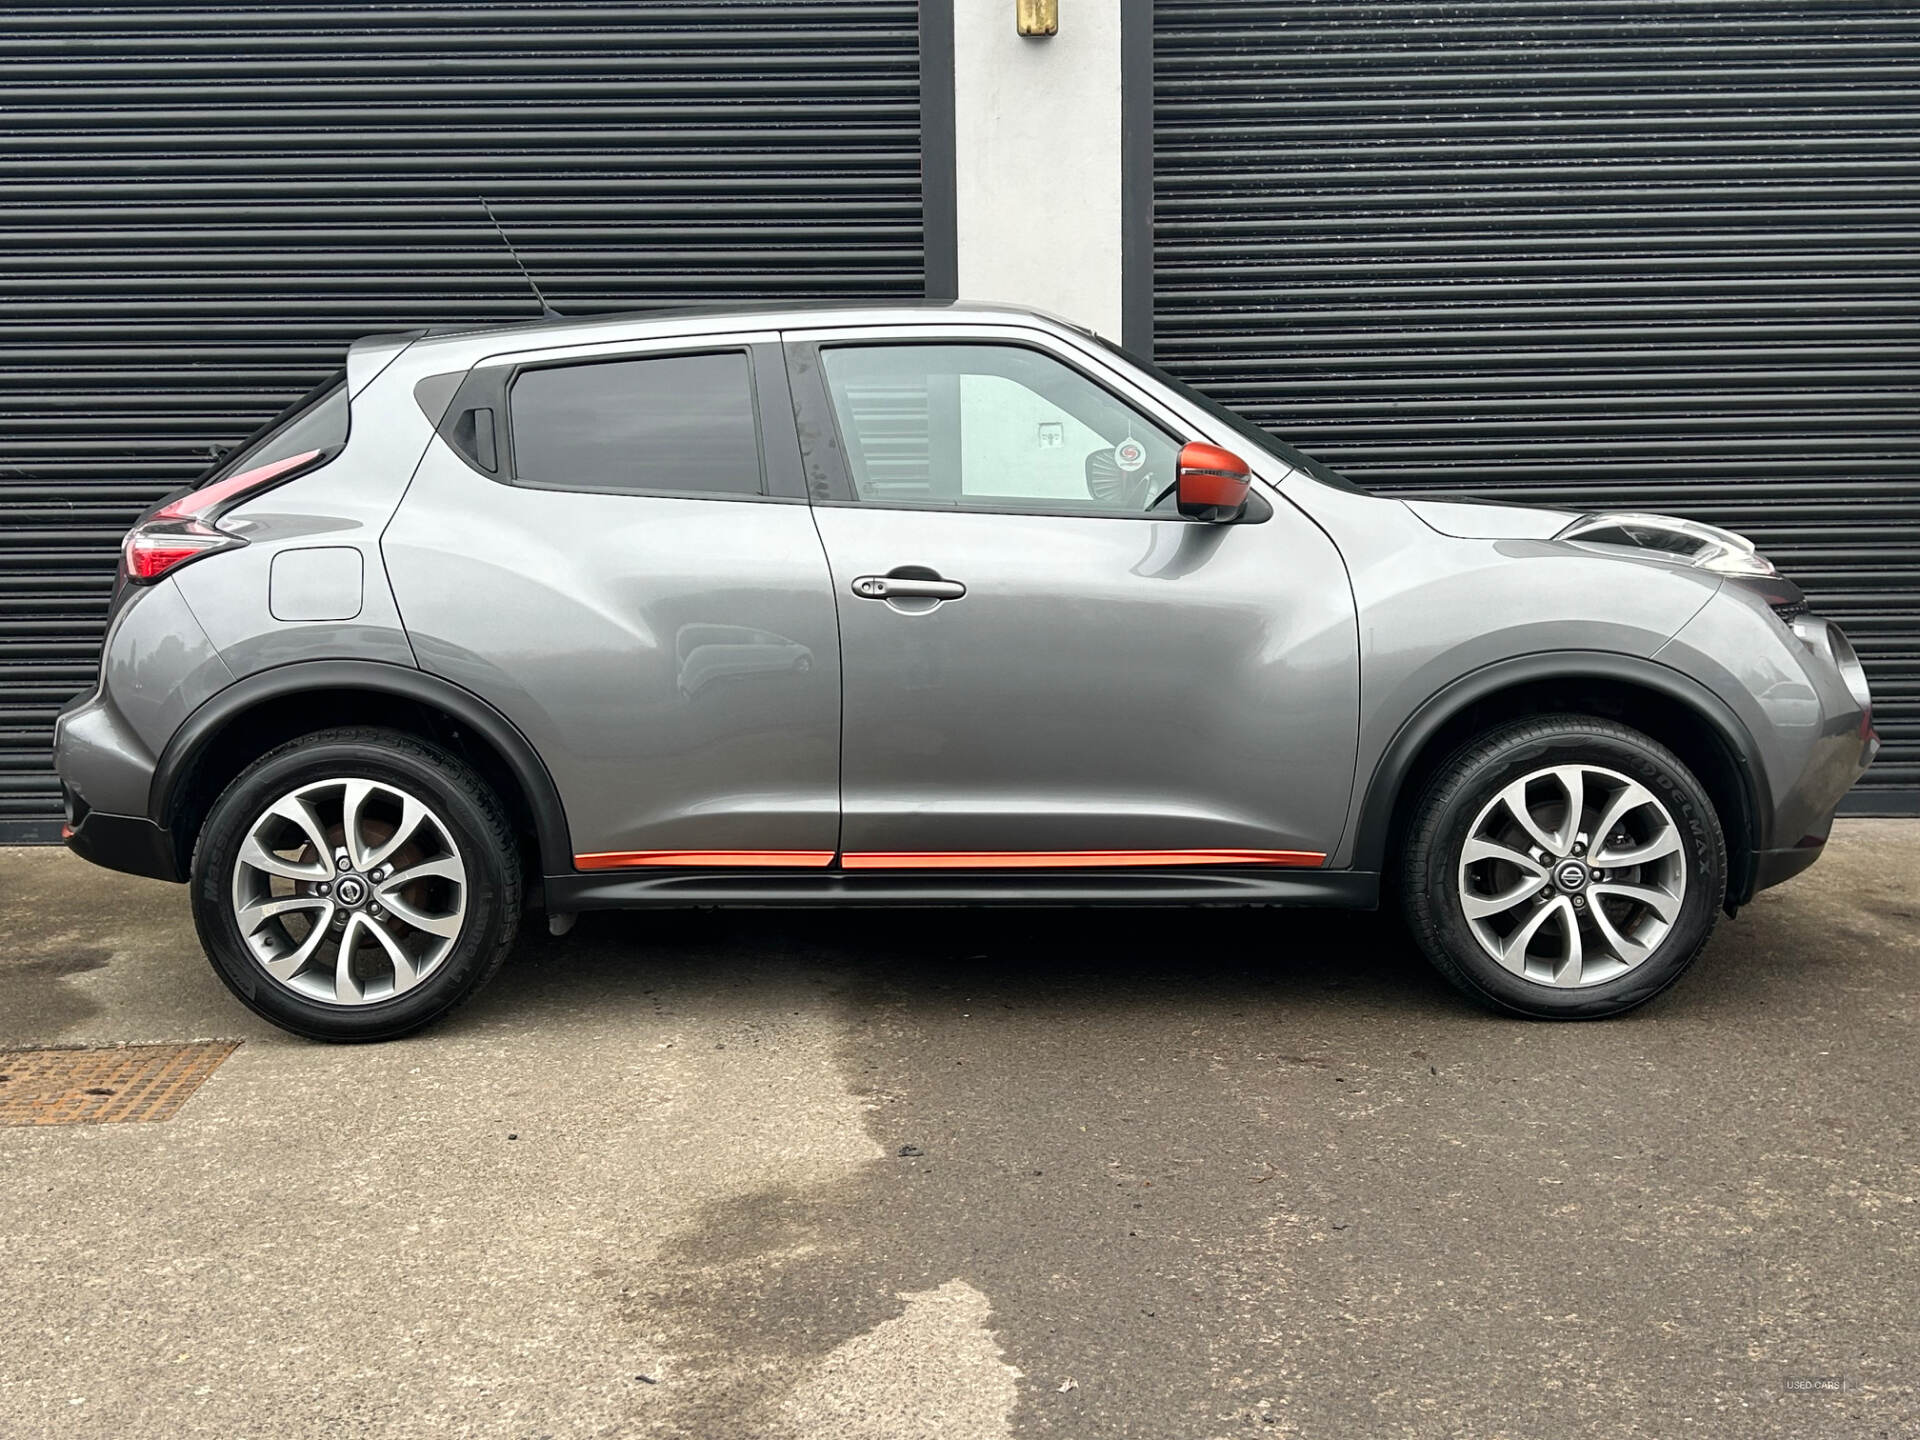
[103,1084]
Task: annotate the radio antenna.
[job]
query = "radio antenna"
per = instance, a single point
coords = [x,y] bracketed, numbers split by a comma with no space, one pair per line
[547,312]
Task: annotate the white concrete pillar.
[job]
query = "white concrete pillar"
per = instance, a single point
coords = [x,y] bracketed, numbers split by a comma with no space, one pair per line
[1037,160]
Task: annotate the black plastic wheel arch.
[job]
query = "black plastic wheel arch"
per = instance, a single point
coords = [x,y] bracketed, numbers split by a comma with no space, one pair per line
[1374,835]
[462,706]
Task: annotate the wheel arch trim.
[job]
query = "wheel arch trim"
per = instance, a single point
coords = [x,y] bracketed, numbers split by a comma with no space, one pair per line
[214,715]
[1373,833]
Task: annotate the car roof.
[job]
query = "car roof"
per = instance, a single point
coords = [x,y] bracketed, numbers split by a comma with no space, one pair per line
[557,329]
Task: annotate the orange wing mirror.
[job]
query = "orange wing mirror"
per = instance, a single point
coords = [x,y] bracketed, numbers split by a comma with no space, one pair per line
[1212,482]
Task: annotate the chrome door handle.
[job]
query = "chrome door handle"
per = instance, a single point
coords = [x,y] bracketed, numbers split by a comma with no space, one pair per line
[902,587]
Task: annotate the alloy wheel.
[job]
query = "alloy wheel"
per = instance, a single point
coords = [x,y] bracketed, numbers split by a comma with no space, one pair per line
[1572,875]
[349,891]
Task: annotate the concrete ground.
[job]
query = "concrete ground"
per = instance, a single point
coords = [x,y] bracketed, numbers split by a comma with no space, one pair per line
[978,1175]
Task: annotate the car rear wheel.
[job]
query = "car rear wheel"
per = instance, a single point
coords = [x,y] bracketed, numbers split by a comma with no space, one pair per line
[356,884]
[1564,867]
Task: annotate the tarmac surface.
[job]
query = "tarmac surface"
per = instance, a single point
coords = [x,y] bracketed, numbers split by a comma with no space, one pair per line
[891,1175]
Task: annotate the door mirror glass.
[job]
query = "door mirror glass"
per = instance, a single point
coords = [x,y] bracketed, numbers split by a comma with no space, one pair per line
[1212,482]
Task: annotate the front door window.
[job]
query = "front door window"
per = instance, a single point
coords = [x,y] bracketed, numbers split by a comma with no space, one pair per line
[993,427]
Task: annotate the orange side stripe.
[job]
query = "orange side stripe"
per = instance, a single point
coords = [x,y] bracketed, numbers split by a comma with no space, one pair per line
[635,859]
[1071,859]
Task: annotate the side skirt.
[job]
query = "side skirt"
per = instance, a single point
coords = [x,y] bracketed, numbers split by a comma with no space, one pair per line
[1351,889]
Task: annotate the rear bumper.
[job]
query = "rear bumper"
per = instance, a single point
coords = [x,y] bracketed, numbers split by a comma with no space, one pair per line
[1771,867]
[131,843]
[157,667]
[104,773]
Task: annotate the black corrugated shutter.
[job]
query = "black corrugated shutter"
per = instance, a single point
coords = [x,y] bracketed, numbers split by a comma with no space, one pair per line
[200,205]
[1604,253]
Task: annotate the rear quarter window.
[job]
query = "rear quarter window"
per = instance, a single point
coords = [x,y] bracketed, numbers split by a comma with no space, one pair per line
[669,424]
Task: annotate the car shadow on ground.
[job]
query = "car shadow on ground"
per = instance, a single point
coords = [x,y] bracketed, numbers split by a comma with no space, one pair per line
[1083,960]
[1109,960]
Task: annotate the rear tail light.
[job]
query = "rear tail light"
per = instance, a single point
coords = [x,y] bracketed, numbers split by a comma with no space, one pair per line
[152,549]
[184,530]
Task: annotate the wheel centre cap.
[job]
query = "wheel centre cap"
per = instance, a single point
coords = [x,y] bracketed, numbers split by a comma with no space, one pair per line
[351,890]
[1570,875]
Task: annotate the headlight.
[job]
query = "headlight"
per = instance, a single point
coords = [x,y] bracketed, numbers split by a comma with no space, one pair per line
[1665,537]
[1825,638]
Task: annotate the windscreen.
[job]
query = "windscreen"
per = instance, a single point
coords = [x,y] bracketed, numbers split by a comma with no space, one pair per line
[1241,426]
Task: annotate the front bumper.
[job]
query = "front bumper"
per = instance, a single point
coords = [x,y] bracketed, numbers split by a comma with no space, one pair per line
[1805,714]
[1814,800]
[1834,763]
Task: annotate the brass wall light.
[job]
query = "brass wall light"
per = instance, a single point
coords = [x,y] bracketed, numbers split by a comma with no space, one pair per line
[1038,17]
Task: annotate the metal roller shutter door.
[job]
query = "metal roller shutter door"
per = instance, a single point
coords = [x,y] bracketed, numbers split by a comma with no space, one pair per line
[200,205]
[1599,253]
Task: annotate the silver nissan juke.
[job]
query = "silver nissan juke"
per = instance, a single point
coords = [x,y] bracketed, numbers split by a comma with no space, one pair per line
[916,606]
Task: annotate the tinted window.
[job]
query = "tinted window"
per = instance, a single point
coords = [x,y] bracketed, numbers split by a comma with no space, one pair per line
[991,427]
[676,423]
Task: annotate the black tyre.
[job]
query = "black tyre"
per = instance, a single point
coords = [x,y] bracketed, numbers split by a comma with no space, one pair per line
[1563,868]
[356,884]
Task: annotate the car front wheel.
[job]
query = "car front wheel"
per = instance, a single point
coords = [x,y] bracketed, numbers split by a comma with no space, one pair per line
[1564,867]
[356,884]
